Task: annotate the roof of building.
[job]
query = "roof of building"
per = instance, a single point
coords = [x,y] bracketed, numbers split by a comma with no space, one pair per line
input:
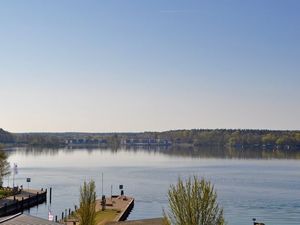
[22,219]
[156,221]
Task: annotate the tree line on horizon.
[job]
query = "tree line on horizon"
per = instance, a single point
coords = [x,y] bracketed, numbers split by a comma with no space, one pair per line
[235,138]
[238,138]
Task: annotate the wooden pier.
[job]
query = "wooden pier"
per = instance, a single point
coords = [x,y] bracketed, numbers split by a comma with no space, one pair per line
[22,200]
[116,208]
[122,204]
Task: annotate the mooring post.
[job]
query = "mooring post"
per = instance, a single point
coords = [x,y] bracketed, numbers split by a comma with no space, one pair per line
[62,216]
[22,206]
[18,205]
[50,193]
[5,208]
[56,218]
[29,201]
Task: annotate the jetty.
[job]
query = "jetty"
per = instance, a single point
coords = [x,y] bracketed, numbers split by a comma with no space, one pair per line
[119,203]
[21,200]
[113,209]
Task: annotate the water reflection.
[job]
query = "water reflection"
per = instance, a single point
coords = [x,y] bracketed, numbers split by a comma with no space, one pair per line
[191,152]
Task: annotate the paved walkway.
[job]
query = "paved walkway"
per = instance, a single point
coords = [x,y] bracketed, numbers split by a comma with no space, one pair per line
[22,219]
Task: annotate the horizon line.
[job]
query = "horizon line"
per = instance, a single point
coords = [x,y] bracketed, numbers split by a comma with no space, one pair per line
[149,131]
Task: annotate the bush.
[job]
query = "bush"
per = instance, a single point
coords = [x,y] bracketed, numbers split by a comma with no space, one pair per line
[87,210]
[193,202]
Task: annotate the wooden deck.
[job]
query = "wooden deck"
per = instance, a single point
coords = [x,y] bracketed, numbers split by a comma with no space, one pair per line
[23,200]
[122,205]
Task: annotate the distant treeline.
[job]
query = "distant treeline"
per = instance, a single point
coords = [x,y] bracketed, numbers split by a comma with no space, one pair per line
[237,138]
[6,137]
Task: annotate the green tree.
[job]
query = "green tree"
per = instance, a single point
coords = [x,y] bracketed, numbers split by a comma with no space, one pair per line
[87,210]
[4,166]
[269,139]
[193,202]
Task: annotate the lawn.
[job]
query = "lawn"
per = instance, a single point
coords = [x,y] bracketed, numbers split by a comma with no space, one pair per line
[102,217]
[108,215]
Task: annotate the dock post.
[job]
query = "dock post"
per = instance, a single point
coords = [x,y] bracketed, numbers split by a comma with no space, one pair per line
[18,205]
[5,208]
[56,218]
[69,211]
[103,202]
[50,193]
[62,216]
[22,205]
[29,197]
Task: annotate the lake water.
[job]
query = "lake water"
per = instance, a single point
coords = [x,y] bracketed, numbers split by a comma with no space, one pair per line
[249,184]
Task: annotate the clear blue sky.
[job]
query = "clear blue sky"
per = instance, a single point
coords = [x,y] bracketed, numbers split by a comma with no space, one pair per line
[134,65]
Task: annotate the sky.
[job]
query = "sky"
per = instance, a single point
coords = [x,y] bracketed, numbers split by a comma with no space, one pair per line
[138,65]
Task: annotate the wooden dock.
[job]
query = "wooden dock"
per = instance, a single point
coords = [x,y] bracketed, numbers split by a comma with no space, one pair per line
[24,199]
[117,208]
[120,203]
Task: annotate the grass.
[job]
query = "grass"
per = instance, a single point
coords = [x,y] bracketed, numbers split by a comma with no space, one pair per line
[102,217]
[5,192]
[105,216]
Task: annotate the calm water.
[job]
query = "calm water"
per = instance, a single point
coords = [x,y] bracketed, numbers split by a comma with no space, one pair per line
[248,185]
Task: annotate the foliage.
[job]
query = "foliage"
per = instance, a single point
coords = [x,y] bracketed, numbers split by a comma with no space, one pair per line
[87,210]
[39,139]
[113,141]
[193,202]
[6,137]
[5,192]
[237,138]
[270,139]
[4,166]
